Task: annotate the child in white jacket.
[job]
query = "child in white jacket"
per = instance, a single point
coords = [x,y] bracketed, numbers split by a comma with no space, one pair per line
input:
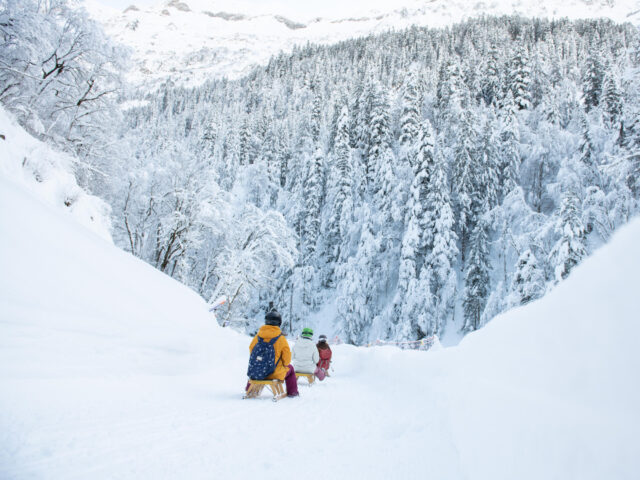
[305,353]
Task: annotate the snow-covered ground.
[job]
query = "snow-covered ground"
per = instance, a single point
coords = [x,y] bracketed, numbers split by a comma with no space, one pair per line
[110,369]
[194,40]
[48,174]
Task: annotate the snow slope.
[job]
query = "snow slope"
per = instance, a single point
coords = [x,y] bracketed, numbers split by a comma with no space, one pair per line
[110,369]
[48,174]
[194,40]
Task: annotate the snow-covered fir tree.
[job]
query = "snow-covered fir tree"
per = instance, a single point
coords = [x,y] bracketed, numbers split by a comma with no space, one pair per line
[476,287]
[412,296]
[508,146]
[570,247]
[411,115]
[528,280]
[593,77]
[441,259]
[492,89]
[340,212]
[519,78]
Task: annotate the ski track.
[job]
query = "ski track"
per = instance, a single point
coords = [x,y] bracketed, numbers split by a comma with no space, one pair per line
[214,443]
[130,435]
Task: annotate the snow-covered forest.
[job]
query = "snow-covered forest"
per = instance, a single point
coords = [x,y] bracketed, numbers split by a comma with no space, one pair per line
[406,184]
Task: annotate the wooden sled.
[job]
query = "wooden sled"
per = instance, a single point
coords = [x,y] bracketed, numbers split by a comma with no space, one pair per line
[309,376]
[256,386]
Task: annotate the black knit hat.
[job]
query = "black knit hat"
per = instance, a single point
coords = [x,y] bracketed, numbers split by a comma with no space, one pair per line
[273,318]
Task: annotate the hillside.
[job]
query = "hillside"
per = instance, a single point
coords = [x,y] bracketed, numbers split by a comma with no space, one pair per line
[227,38]
[110,369]
[429,178]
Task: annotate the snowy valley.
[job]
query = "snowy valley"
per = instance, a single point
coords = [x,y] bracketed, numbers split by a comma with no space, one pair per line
[460,178]
[429,179]
[393,187]
[110,369]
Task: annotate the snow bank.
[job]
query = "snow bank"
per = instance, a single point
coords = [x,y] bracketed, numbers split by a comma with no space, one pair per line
[110,369]
[48,174]
[548,390]
[91,339]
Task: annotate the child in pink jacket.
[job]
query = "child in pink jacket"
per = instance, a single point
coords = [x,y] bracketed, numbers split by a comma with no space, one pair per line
[325,358]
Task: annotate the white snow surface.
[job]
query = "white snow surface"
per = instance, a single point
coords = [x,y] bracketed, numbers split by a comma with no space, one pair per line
[48,174]
[110,369]
[191,41]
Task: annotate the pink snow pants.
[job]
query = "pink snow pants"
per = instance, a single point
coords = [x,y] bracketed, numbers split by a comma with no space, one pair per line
[291,382]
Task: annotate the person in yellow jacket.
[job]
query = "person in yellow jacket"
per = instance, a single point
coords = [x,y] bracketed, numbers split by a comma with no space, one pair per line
[284,370]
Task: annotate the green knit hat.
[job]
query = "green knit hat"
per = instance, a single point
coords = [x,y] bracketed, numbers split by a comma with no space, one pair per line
[307,333]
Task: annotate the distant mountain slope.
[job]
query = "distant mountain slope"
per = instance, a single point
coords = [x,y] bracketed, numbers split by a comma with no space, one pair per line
[195,40]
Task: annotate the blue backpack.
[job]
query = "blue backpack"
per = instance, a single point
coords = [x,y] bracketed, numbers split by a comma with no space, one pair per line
[262,361]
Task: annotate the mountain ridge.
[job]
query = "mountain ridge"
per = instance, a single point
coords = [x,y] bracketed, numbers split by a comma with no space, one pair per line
[227,39]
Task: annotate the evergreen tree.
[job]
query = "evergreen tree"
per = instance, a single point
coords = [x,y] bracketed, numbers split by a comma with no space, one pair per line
[316,118]
[489,173]
[509,138]
[570,247]
[442,256]
[520,78]
[358,113]
[452,95]
[588,155]
[443,87]
[632,151]
[271,157]
[491,84]
[630,138]
[611,101]
[465,168]
[411,112]
[358,295]
[313,196]
[244,156]
[476,279]
[592,79]
[360,127]
[381,161]
[528,280]
[342,201]
[417,239]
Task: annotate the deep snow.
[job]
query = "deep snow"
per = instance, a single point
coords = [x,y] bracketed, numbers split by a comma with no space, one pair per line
[48,174]
[110,369]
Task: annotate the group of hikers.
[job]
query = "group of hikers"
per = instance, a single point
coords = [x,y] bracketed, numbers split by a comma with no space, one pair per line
[271,358]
